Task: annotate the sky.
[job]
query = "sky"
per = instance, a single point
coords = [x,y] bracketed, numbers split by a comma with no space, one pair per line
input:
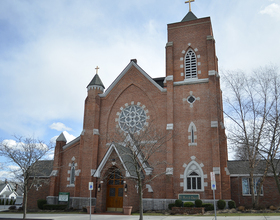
[49,50]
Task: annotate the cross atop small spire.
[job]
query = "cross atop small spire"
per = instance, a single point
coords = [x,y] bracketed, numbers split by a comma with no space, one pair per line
[190,8]
[97,68]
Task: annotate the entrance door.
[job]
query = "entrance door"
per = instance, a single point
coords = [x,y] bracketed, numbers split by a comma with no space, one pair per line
[115,192]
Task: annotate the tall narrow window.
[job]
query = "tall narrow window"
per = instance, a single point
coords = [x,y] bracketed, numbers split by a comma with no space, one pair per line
[192,137]
[72,174]
[190,65]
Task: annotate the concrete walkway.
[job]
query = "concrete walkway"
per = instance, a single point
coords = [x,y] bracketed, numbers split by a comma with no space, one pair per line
[131,217]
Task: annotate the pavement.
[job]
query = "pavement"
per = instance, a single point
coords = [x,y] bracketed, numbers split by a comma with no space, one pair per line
[130,217]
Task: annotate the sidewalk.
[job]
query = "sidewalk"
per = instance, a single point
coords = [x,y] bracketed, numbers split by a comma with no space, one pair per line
[132,217]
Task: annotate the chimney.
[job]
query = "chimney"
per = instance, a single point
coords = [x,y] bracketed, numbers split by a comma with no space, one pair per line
[133,60]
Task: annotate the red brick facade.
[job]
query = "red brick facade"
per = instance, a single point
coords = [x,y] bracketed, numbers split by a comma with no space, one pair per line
[40,191]
[169,108]
[269,197]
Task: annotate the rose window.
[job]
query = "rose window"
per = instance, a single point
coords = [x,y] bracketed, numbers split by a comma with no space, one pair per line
[132,119]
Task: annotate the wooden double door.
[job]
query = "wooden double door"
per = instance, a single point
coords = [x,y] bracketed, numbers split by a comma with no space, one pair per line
[115,192]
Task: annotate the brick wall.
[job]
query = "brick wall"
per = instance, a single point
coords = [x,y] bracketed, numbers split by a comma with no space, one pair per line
[41,193]
[270,194]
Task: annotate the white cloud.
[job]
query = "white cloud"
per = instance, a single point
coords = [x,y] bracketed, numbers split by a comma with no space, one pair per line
[6,175]
[273,10]
[50,48]
[59,126]
[10,143]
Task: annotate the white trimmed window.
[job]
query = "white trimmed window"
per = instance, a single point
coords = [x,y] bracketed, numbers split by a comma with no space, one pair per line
[190,65]
[193,177]
[192,137]
[72,174]
[246,189]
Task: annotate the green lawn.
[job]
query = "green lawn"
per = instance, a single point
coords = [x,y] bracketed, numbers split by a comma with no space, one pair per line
[219,214]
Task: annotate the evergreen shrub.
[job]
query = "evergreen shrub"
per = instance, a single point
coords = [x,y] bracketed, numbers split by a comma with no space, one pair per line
[54,207]
[170,205]
[178,203]
[188,204]
[7,202]
[208,206]
[41,203]
[231,204]
[221,204]
[198,203]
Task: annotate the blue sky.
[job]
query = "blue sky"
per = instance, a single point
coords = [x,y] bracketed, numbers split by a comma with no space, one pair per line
[49,50]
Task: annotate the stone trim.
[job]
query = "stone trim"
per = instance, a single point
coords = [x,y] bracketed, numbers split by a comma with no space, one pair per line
[124,72]
[96,131]
[169,127]
[169,44]
[217,170]
[169,171]
[191,81]
[214,124]
[72,142]
[95,87]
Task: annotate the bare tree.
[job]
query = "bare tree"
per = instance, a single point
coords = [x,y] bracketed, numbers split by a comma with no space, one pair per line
[251,105]
[142,154]
[271,141]
[25,154]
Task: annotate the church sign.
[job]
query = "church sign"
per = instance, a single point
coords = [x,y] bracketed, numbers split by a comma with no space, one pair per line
[63,197]
[188,197]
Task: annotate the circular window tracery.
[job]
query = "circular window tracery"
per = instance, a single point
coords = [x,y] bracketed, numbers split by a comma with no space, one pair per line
[132,119]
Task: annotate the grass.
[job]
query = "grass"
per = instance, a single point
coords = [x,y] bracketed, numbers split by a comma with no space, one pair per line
[219,214]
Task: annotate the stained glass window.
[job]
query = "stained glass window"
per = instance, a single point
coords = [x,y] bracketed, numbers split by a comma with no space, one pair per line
[72,173]
[132,119]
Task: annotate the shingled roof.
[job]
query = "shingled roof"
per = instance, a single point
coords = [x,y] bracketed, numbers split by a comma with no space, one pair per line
[126,155]
[189,17]
[96,81]
[241,167]
[42,168]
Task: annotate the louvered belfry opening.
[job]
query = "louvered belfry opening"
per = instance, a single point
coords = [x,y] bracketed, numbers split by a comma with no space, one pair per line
[190,64]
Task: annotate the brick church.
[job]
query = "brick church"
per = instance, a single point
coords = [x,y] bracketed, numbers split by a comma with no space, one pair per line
[186,104]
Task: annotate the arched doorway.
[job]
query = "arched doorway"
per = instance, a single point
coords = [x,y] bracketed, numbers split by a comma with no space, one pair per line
[114,199]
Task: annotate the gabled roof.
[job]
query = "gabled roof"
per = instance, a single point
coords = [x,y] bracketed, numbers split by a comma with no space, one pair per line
[2,186]
[125,155]
[126,69]
[42,168]
[96,81]
[189,17]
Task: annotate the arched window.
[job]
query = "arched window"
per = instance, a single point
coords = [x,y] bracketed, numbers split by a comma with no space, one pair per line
[193,177]
[190,65]
[72,174]
[192,137]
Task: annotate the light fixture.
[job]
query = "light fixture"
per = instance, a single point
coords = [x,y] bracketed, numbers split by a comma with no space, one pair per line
[99,187]
[125,187]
